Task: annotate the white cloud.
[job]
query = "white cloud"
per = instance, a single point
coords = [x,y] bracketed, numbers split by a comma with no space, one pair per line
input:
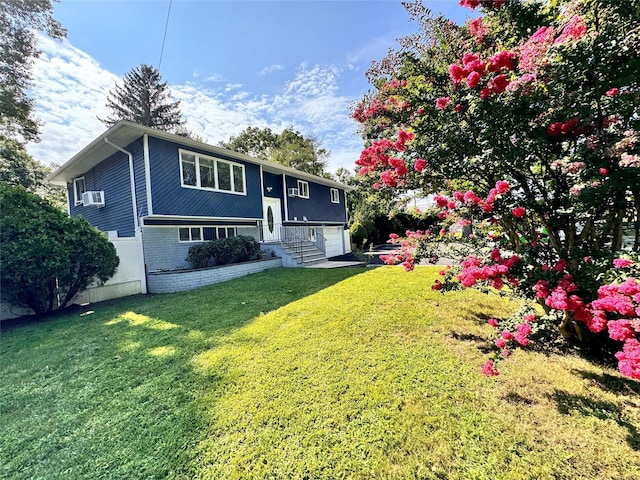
[71,89]
[70,92]
[270,69]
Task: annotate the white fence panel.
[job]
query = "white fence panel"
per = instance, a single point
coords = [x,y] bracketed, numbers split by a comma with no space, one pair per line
[129,277]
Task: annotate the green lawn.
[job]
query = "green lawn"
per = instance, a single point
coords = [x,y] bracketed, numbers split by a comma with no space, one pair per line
[304,373]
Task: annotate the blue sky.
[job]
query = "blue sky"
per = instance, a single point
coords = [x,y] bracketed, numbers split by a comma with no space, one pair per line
[232,64]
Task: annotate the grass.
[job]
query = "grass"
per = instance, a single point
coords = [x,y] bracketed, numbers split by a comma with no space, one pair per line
[296,373]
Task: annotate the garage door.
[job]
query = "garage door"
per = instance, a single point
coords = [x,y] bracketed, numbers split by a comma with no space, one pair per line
[333,241]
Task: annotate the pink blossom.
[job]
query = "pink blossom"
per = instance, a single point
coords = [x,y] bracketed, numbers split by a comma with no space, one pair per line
[519,212]
[554,129]
[437,285]
[472,4]
[500,342]
[502,186]
[419,165]
[458,108]
[441,200]
[442,102]
[622,263]
[473,79]
[477,29]
[612,92]
[469,58]
[533,53]
[499,83]
[388,178]
[489,370]
[507,335]
[621,330]
[574,30]
[485,93]
[493,322]
[521,340]
[628,358]
[457,73]
[500,60]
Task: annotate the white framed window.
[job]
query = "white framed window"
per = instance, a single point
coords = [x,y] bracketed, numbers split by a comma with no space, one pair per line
[204,234]
[190,234]
[303,189]
[335,195]
[78,190]
[210,173]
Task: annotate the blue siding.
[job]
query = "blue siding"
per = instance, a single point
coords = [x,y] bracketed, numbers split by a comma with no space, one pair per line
[318,207]
[275,183]
[137,150]
[111,176]
[170,198]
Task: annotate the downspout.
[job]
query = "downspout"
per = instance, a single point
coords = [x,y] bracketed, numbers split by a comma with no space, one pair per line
[133,183]
[134,204]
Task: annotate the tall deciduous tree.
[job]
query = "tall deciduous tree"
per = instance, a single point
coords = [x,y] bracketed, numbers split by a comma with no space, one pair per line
[145,99]
[535,106]
[289,148]
[17,167]
[19,20]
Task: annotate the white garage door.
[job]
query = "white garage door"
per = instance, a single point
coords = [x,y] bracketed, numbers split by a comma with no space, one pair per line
[333,241]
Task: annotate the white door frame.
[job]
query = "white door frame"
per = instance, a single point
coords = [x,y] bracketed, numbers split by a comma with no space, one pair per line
[271,226]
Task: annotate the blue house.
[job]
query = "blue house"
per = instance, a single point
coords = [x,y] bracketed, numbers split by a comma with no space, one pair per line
[170,192]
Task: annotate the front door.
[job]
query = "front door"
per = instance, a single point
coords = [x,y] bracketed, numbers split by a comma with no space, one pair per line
[272,219]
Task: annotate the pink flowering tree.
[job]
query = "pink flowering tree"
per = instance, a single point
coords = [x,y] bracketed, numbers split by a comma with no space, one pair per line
[524,124]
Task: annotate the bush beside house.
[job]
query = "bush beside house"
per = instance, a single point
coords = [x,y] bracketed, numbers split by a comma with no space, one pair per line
[224,251]
[47,258]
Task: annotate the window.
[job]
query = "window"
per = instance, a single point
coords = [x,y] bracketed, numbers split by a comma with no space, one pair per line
[335,195]
[313,234]
[208,173]
[303,189]
[78,190]
[190,234]
[200,234]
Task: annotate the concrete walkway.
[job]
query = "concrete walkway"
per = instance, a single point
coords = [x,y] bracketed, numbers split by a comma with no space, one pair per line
[337,264]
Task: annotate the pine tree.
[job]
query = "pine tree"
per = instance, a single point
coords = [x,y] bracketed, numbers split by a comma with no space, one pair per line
[144,98]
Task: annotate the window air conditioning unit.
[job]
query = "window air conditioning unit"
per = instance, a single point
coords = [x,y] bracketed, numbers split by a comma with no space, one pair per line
[293,192]
[93,199]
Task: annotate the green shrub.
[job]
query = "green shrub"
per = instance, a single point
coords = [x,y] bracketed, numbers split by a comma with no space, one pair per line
[358,234]
[224,251]
[199,256]
[47,258]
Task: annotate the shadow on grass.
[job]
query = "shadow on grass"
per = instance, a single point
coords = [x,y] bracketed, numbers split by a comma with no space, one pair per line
[568,402]
[612,383]
[517,399]
[484,344]
[127,402]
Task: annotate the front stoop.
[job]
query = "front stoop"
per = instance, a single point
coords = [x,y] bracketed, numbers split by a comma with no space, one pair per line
[293,257]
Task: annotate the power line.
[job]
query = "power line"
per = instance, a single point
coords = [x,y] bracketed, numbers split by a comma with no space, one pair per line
[164,37]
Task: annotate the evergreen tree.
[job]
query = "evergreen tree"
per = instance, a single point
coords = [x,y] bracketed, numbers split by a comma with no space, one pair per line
[144,98]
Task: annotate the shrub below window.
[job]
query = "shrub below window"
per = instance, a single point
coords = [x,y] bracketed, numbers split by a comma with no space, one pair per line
[224,251]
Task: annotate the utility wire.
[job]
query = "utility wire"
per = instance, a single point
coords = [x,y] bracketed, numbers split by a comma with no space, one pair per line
[164,38]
